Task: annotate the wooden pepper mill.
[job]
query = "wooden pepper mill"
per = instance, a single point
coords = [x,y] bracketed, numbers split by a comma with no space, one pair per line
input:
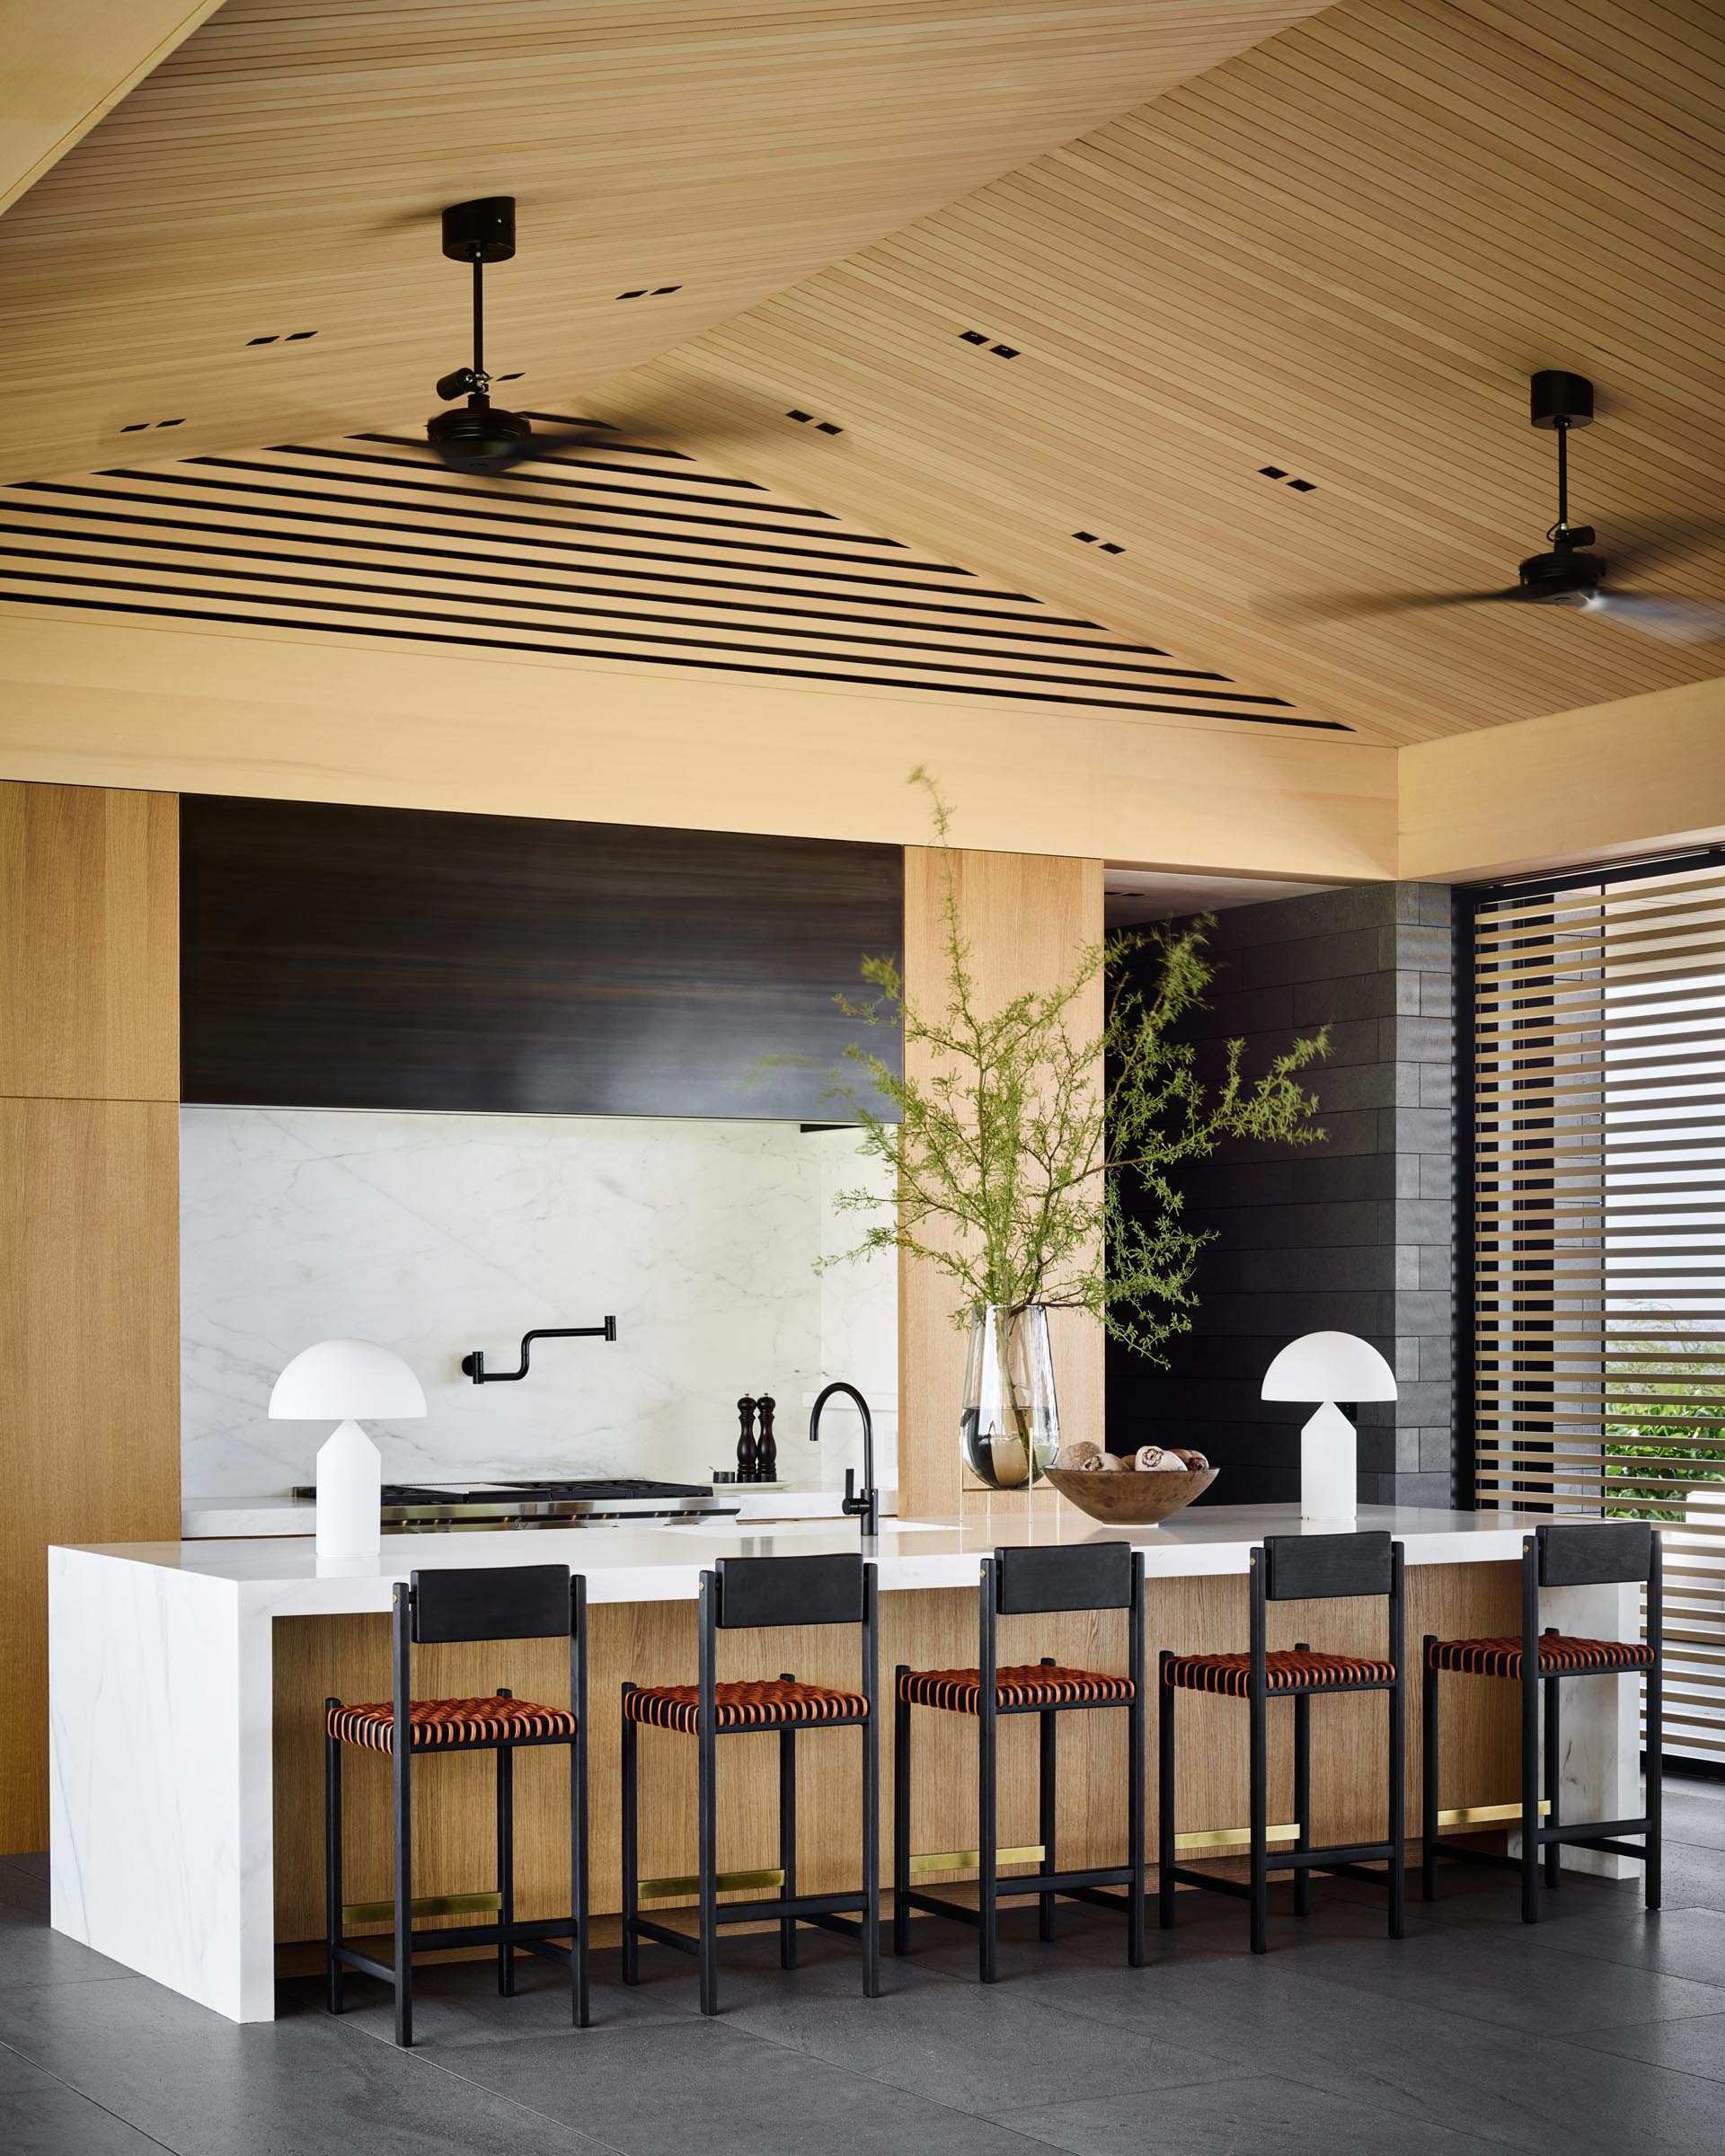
[766,1449]
[747,1467]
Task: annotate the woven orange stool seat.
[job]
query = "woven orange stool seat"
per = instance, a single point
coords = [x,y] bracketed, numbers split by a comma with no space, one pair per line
[1037,1684]
[438,1725]
[1559,1655]
[1286,1671]
[772,1704]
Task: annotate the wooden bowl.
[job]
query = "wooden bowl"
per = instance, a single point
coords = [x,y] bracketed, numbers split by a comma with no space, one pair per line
[1137,1497]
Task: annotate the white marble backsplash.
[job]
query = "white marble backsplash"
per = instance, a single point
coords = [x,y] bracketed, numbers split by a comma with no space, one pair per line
[435,1234]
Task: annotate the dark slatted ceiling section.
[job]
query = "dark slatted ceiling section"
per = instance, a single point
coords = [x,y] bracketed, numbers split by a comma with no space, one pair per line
[616,551]
[1599,1209]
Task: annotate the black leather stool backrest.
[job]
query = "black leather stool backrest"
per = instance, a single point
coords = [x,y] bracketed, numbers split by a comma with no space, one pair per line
[1595,1553]
[490,1602]
[753,1591]
[1318,1568]
[1079,1576]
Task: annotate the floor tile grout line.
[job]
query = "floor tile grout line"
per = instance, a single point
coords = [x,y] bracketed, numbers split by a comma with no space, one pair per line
[85,2097]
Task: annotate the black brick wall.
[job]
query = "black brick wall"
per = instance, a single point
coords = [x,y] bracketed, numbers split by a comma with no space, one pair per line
[1355,1234]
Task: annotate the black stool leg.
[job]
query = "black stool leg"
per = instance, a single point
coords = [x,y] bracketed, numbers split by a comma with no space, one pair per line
[900,1813]
[403,1899]
[1398,1802]
[1303,1789]
[1429,1804]
[333,1859]
[1048,1805]
[579,1846]
[1553,1778]
[872,1806]
[505,1860]
[987,1904]
[788,1832]
[631,1847]
[1530,1794]
[1135,1955]
[1164,1795]
[1258,1709]
[707,1861]
[1654,1840]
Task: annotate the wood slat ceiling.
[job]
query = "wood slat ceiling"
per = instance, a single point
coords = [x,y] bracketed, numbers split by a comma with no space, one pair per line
[619,554]
[1340,254]
[280,173]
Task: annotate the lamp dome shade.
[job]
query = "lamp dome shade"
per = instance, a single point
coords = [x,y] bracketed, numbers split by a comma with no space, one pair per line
[346,1380]
[1329,1365]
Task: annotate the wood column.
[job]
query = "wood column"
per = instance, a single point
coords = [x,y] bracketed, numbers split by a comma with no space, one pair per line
[89,1217]
[1026,918]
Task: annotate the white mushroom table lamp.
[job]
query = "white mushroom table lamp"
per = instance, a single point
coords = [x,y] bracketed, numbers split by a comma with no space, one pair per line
[1328,1367]
[345,1379]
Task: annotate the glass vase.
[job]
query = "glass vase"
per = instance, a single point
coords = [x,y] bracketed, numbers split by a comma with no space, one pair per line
[1010,1427]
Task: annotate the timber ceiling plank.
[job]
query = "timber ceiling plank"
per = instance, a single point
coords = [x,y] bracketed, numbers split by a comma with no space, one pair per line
[245,250]
[1338,255]
[65,66]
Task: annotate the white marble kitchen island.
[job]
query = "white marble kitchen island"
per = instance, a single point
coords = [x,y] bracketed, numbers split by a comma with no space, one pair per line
[162,1691]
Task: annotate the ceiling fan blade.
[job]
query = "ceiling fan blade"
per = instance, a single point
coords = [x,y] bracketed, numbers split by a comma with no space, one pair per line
[1675,621]
[1361,606]
[1636,544]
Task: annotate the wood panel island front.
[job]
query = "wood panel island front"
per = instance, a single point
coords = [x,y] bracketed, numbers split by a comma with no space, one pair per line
[188,1684]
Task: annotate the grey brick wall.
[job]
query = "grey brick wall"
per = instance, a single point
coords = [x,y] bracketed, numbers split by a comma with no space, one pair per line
[1356,1234]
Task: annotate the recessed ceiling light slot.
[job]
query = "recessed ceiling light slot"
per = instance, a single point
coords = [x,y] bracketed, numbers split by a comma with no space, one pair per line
[1304,486]
[983,336]
[1107,547]
[1300,486]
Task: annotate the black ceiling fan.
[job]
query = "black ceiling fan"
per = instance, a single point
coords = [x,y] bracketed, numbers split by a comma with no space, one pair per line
[479,436]
[1571,574]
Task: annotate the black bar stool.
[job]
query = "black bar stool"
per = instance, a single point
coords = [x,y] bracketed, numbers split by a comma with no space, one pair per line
[513,1602]
[751,1594]
[1578,1554]
[1295,1567]
[1083,1575]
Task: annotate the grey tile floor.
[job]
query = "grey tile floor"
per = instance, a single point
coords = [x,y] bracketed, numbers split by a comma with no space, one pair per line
[1601,2029]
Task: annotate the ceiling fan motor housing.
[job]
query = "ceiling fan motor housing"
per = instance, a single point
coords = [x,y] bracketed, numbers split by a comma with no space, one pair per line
[1567,578]
[473,433]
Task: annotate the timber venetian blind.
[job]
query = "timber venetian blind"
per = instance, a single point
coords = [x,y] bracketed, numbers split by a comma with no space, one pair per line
[1598,1206]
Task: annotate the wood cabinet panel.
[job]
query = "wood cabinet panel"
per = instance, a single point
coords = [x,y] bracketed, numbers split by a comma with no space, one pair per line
[380,958]
[89,1378]
[89,880]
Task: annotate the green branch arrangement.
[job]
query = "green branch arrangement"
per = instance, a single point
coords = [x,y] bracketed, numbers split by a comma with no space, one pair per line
[1035,1162]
